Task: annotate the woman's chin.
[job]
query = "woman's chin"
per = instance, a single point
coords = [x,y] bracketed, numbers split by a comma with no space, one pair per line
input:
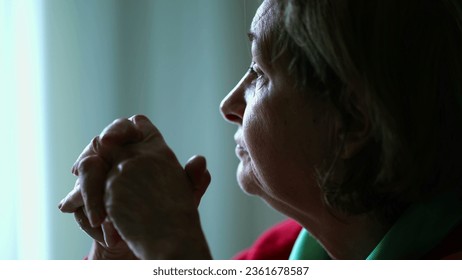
[246,180]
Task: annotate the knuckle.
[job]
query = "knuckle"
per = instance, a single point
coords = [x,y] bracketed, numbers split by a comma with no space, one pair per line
[132,164]
[88,164]
[117,124]
[124,166]
[137,117]
[120,120]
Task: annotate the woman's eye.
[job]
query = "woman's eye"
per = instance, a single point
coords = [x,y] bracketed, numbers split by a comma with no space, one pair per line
[258,77]
[254,70]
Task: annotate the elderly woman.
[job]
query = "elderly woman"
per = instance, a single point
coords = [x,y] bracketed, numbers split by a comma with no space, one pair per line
[348,122]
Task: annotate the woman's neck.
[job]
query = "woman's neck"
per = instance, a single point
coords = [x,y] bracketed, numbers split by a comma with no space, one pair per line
[346,237]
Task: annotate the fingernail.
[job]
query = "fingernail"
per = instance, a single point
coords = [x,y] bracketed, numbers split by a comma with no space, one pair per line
[108,234]
[106,241]
[61,204]
[139,118]
[74,170]
[65,206]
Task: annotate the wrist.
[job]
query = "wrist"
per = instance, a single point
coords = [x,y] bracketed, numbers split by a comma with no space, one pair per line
[187,243]
[180,247]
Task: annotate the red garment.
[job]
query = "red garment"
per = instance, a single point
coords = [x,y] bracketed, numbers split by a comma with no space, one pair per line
[276,244]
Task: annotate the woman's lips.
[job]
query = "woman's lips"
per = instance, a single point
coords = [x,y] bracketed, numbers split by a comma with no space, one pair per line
[240,151]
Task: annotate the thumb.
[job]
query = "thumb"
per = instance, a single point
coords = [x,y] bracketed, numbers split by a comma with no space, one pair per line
[144,125]
[120,132]
[199,176]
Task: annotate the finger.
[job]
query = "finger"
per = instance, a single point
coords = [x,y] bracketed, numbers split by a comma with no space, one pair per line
[84,224]
[88,151]
[120,132]
[199,192]
[196,169]
[144,125]
[111,236]
[92,177]
[73,200]
[93,148]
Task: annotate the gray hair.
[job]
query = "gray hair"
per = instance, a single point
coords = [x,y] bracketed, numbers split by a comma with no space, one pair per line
[403,60]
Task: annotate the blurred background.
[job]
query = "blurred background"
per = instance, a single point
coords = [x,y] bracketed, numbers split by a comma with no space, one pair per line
[70,67]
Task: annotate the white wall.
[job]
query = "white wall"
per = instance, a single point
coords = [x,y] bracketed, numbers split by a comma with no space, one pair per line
[173,60]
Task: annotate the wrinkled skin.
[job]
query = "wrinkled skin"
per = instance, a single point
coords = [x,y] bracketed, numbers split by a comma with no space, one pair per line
[134,198]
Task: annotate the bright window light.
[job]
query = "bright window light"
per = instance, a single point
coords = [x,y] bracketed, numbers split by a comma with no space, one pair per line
[22,178]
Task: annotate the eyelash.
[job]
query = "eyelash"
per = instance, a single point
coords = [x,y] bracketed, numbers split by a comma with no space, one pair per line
[252,70]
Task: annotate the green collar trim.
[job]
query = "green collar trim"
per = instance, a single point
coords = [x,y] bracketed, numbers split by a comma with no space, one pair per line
[415,233]
[307,248]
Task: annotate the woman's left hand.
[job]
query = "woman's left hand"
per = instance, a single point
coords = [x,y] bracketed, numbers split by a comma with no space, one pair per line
[148,197]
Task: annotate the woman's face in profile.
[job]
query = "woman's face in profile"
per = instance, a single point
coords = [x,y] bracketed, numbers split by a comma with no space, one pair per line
[282,132]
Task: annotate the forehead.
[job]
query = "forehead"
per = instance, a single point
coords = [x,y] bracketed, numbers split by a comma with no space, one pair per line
[263,32]
[263,22]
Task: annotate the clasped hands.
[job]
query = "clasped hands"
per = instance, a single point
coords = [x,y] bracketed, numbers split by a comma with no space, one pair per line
[134,198]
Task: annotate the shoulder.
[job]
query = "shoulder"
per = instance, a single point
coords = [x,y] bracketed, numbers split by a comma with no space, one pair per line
[274,244]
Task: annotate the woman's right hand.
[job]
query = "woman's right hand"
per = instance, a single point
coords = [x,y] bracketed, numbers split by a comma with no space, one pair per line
[107,242]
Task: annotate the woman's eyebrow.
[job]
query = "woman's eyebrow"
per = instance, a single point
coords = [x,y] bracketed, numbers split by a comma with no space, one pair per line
[251,35]
[257,51]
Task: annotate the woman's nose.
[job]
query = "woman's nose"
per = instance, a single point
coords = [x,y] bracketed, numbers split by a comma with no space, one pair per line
[232,107]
